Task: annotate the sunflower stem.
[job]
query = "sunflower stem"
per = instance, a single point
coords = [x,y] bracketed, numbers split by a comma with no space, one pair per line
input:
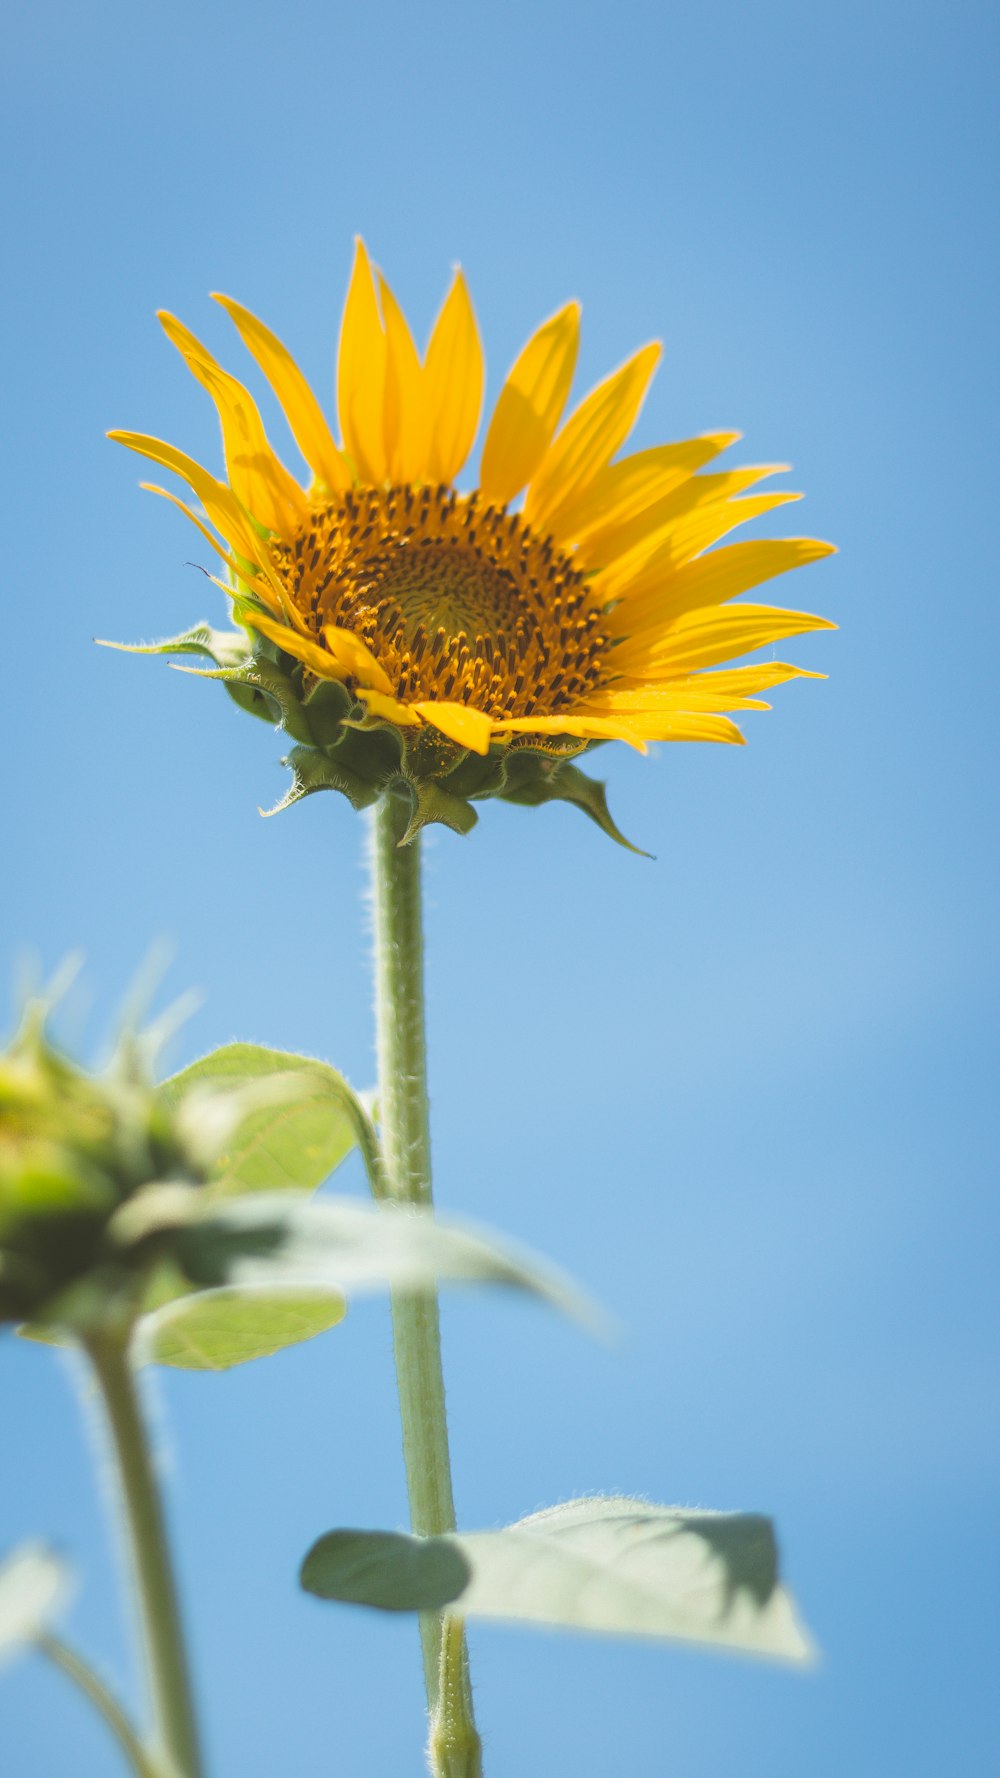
[90,1683]
[454,1748]
[152,1574]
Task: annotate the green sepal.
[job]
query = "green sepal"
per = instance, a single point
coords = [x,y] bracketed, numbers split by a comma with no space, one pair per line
[532,781]
[259,686]
[227,648]
[254,682]
[431,802]
[427,753]
[313,771]
[325,707]
[374,752]
[340,746]
[479,775]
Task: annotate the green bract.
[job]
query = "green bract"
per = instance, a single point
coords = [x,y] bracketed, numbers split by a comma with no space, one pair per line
[339,746]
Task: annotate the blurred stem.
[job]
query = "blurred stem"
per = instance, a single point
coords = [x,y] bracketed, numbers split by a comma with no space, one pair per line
[152,1573]
[82,1674]
[406,1160]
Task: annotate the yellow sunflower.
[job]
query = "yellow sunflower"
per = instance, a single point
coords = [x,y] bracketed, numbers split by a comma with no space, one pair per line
[461,626]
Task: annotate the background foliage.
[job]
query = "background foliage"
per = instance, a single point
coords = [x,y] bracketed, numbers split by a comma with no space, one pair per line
[740,1092]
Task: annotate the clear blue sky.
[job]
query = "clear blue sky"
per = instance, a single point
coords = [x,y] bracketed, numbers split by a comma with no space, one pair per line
[743,1092]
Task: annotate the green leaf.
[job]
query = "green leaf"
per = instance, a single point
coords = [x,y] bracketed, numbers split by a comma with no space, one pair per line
[33,1584]
[386,1570]
[295,1139]
[610,1565]
[281,1241]
[212,1330]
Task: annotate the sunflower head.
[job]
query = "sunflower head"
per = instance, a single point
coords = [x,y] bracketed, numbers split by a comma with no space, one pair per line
[84,1161]
[449,645]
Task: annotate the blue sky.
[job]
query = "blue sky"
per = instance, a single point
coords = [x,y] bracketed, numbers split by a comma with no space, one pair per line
[743,1092]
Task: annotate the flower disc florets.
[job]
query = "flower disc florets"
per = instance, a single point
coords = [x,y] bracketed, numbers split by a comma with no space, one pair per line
[457,599]
[476,641]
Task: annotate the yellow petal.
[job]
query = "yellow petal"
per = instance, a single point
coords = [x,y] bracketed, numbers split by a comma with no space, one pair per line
[706,637]
[759,676]
[685,694]
[225,513]
[589,439]
[530,406]
[626,488]
[710,580]
[303,648]
[620,537]
[256,475]
[220,549]
[682,724]
[356,658]
[728,690]
[404,411]
[688,726]
[466,727]
[648,570]
[454,374]
[583,727]
[220,503]
[301,409]
[377,704]
[361,373]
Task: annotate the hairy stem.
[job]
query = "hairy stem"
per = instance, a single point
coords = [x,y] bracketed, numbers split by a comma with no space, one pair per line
[152,1574]
[405,1130]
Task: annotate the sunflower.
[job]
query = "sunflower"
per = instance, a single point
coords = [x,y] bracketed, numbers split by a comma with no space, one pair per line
[403,629]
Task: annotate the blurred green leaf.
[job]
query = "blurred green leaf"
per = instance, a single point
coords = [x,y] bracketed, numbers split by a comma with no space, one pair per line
[212,1330]
[41,1333]
[33,1584]
[386,1570]
[280,1241]
[296,1138]
[250,1275]
[611,1565]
